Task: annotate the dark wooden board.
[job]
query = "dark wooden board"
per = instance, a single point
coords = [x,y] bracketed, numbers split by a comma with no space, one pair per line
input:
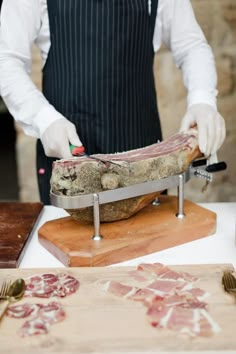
[152,229]
[16,224]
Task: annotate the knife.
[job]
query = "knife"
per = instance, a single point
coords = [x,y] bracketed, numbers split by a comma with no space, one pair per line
[80,151]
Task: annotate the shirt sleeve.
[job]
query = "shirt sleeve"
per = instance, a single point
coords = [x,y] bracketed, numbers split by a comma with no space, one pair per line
[19,28]
[177,28]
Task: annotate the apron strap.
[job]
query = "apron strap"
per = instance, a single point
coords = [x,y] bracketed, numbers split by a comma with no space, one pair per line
[154,5]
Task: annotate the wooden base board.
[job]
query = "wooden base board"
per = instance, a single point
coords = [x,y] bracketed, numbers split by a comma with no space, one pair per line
[152,229]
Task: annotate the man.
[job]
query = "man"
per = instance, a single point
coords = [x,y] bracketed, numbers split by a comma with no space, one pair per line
[98,84]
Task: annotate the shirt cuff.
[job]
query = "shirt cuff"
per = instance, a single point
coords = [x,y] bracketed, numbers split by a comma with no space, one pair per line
[45,118]
[201,96]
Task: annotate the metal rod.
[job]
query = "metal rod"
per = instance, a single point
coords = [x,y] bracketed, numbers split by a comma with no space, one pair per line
[156,201]
[85,200]
[96,218]
[180,213]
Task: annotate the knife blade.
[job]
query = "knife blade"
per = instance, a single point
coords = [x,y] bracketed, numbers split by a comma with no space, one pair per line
[80,151]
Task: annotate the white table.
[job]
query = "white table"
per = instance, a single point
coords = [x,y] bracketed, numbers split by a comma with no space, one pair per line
[218,248]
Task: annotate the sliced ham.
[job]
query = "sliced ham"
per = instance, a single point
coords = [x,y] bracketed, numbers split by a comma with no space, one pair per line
[23,310]
[171,299]
[165,272]
[48,285]
[41,316]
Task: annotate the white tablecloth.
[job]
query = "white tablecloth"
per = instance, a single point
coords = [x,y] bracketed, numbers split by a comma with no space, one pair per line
[217,248]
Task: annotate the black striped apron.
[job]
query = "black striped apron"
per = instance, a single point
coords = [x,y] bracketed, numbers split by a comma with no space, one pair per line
[99,74]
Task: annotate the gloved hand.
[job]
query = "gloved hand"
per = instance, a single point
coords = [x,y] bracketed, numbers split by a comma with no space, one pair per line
[210,124]
[57,137]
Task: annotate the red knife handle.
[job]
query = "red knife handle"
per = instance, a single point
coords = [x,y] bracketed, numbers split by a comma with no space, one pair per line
[77,150]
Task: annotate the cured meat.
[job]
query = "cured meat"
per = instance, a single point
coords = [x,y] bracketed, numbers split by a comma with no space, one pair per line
[171,299]
[22,311]
[164,287]
[189,320]
[41,316]
[119,289]
[83,175]
[165,272]
[48,285]
[34,326]
[127,291]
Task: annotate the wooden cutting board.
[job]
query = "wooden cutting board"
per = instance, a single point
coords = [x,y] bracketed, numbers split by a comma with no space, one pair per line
[97,322]
[152,229]
[16,224]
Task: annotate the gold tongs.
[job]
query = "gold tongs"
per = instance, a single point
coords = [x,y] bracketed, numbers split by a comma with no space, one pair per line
[229,283]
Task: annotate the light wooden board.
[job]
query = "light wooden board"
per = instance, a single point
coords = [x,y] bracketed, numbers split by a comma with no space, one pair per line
[97,322]
[152,229]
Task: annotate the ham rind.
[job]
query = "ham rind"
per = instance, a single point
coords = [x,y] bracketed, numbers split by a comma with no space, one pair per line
[82,175]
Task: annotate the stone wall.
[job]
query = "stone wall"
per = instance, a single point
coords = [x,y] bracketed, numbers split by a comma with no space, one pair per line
[218,21]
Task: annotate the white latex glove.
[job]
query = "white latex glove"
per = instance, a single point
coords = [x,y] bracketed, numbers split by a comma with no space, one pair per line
[57,137]
[210,124]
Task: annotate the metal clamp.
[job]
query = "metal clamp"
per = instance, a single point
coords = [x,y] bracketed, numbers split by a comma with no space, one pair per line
[199,168]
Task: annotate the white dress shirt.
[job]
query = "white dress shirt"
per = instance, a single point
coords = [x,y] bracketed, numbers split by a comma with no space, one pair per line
[25,22]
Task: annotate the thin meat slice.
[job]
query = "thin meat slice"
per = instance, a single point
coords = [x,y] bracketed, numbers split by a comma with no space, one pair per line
[198,293]
[49,284]
[180,300]
[24,310]
[127,291]
[150,267]
[191,321]
[34,326]
[166,287]
[120,290]
[143,294]
[41,316]
[138,276]
[165,272]
[67,285]
[171,299]
[52,313]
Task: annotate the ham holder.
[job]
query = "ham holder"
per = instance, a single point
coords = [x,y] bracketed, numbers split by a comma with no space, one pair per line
[117,211]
